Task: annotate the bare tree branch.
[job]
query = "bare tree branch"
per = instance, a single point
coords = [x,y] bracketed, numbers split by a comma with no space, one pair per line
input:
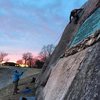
[28,57]
[2,56]
[46,51]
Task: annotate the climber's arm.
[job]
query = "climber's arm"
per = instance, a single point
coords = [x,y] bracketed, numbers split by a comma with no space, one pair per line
[80,9]
[70,18]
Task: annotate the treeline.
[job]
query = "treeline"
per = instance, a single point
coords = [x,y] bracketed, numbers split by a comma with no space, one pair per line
[28,59]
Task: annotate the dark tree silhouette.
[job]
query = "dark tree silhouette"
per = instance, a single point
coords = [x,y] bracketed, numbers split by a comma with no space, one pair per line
[2,56]
[27,57]
[39,64]
[46,51]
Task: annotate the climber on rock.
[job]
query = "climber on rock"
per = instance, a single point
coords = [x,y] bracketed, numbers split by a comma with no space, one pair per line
[75,14]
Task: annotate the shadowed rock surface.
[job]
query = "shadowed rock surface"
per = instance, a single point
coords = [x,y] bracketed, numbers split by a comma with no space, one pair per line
[76,75]
[86,84]
[71,29]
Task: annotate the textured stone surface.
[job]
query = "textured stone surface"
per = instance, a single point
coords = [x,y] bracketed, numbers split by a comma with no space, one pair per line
[86,84]
[77,76]
[91,24]
[89,41]
[71,29]
[62,76]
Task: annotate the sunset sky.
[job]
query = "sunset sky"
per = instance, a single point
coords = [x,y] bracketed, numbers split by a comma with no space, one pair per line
[27,25]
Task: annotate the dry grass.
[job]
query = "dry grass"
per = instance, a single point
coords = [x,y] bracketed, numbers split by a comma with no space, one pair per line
[7,92]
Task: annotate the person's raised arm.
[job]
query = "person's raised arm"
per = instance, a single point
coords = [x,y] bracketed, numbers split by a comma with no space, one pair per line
[70,18]
[20,74]
[80,9]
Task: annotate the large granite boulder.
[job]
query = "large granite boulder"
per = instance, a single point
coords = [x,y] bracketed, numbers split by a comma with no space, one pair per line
[76,74]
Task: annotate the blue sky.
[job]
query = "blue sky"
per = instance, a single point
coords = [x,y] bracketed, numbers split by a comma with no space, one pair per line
[27,25]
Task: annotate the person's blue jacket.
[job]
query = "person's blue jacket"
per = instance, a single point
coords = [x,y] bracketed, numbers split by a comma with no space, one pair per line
[16,76]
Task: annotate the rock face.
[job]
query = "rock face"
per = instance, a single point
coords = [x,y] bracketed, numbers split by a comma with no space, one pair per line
[62,76]
[86,84]
[71,29]
[73,73]
[76,77]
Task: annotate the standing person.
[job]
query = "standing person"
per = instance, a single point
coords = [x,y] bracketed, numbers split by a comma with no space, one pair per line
[16,77]
[75,15]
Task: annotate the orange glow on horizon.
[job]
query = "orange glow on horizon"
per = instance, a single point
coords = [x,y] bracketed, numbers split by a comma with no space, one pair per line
[23,65]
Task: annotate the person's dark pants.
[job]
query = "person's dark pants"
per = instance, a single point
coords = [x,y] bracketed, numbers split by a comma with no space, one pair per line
[15,87]
[76,19]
